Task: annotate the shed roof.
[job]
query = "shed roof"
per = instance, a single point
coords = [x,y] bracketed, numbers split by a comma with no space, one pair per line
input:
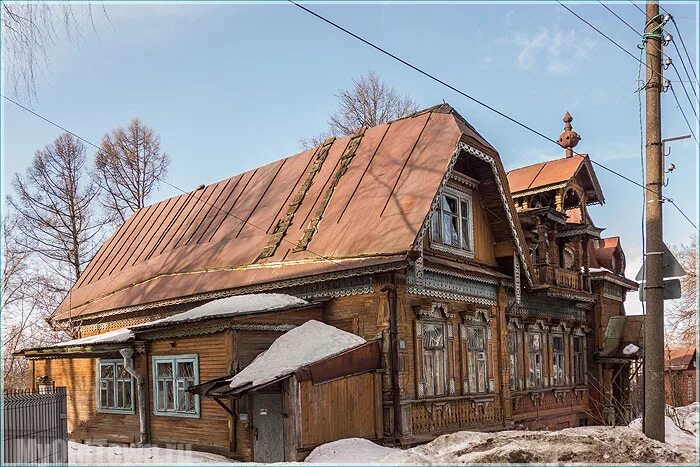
[371,200]
[679,358]
[311,342]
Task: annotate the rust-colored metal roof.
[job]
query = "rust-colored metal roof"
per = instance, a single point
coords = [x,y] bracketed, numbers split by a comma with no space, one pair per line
[368,201]
[544,173]
[679,358]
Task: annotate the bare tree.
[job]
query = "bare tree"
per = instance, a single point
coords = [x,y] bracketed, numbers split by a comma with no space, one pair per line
[369,102]
[27,299]
[683,316]
[30,30]
[54,210]
[128,168]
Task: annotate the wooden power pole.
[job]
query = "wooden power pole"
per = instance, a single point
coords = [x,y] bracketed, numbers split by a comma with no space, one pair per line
[654,401]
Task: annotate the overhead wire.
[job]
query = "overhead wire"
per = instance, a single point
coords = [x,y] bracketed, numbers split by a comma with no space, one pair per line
[680,36]
[682,112]
[464,94]
[415,68]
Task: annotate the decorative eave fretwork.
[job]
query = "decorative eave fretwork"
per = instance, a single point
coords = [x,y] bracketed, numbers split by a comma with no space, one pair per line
[447,286]
[535,191]
[548,213]
[572,230]
[464,180]
[260,288]
[614,279]
[541,307]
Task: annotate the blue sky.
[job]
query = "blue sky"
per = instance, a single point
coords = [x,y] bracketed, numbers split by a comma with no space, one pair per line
[232,86]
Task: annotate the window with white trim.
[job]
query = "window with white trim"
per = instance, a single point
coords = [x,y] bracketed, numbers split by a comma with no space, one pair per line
[535,377]
[434,359]
[558,365]
[451,222]
[115,387]
[172,376]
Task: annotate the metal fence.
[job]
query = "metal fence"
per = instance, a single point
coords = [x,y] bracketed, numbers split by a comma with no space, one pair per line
[35,427]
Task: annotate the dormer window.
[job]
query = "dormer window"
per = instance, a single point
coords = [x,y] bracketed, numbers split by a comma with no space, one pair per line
[451,223]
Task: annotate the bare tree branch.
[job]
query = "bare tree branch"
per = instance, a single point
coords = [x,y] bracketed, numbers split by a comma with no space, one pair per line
[370,102]
[128,168]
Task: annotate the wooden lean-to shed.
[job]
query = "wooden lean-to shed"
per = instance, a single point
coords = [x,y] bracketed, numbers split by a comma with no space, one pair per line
[315,384]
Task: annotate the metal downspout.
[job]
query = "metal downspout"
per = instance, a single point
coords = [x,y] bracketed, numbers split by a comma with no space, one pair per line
[127,354]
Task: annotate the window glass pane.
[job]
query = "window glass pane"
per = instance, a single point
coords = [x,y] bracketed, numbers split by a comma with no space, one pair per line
[466,221]
[103,394]
[428,373]
[107,371]
[185,369]
[471,368]
[475,338]
[481,368]
[449,205]
[110,394]
[164,369]
[534,341]
[577,344]
[185,400]
[558,343]
[433,336]
[122,373]
[439,372]
[435,227]
[127,396]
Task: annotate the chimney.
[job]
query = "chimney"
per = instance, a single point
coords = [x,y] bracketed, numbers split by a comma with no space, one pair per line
[568,138]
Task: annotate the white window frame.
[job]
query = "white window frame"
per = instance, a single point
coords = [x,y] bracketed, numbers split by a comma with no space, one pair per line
[98,381]
[173,360]
[437,244]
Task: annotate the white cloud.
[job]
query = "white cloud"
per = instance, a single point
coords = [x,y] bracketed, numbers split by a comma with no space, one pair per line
[558,52]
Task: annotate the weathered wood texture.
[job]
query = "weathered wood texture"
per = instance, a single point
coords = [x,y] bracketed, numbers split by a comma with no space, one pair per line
[85,423]
[211,429]
[338,409]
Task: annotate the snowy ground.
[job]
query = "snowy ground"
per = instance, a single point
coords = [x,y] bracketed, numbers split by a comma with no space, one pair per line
[585,445]
[83,454]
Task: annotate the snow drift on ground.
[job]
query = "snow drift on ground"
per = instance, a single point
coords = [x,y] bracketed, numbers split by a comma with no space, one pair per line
[688,417]
[675,436]
[349,451]
[588,445]
[306,344]
[84,454]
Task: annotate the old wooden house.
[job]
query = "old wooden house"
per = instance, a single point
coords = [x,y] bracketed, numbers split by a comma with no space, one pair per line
[480,300]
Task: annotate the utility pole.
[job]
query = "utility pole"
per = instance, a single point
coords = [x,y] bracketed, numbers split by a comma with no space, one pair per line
[654,400]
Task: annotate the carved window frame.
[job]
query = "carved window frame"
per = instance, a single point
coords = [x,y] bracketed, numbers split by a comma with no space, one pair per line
[514,346]
[436,315]
[579,333]
[534,356]
[558,366]
[472,383]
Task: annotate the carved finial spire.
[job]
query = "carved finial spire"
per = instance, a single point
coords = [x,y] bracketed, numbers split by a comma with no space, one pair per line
[568,138]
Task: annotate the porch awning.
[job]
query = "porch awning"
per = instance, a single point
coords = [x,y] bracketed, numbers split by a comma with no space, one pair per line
[624,339]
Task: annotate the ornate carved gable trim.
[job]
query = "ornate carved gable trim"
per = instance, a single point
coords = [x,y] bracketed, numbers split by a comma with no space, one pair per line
[448,286]
[461,146]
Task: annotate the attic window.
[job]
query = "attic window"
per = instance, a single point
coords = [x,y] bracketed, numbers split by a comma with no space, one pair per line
[451,223]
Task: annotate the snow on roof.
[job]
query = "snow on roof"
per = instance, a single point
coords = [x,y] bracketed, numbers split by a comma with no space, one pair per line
[311,342]
[230,306]
[111,337]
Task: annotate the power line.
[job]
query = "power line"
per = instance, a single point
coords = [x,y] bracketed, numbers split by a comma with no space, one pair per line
[225,212]
[460,92]
[682,112]
[690,101]
[683,63]
[680,36]
[638,8]
[621,19]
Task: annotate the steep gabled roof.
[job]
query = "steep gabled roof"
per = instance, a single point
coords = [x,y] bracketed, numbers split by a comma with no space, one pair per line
[679,358]
[555,172]
[353,202]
